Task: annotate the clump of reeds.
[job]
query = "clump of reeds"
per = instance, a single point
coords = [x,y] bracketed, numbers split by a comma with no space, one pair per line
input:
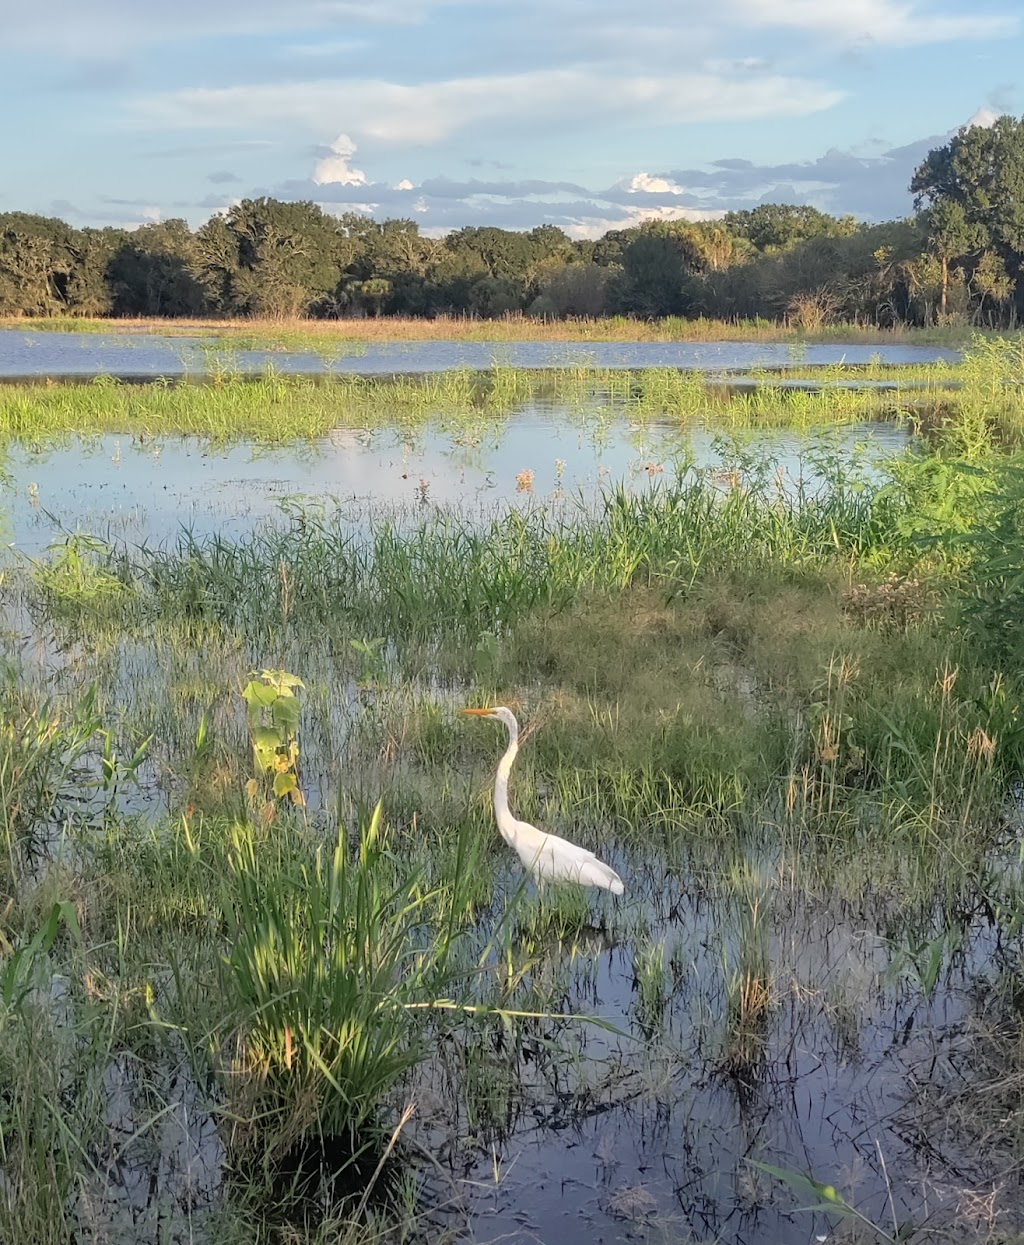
[749,983]
[328,954]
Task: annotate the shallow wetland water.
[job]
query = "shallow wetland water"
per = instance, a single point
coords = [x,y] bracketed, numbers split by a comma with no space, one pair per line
[770,992]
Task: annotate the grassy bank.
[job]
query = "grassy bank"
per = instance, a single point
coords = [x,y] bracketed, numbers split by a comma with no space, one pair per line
[294,334]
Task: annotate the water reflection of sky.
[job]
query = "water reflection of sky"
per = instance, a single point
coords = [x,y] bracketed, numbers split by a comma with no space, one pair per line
[26,353]
[675,1136]
[116,486]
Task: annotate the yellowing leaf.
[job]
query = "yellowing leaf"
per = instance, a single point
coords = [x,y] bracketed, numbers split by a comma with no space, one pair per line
[284,783]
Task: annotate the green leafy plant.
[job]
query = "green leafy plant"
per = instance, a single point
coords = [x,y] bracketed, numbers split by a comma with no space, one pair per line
[993,602]
[372,654]
[17,981]
[273,711]
[115,770]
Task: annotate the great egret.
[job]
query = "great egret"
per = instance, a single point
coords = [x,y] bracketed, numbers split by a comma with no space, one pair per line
[546,856]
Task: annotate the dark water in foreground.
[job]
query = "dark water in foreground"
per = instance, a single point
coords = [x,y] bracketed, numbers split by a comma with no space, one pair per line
[848,1079]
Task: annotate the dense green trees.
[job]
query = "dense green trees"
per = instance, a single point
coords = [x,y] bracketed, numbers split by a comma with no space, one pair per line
[773,226]
[154,272]
[972,193]
[961,258]
[37,258]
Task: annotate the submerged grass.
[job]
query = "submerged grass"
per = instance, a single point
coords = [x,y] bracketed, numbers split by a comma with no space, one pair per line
[276,407]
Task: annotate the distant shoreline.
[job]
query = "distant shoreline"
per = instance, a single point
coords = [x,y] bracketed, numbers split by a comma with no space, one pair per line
[508,328]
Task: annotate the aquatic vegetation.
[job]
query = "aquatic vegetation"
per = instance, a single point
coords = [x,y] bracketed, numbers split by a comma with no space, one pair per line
[276,407]
[272,703]
[790,717]
[322,981]
[43,750]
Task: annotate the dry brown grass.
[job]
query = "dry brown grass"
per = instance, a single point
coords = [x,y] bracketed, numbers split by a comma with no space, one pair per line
[513,327]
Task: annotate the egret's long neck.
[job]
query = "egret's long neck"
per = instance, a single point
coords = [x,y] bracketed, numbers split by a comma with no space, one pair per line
[502,814]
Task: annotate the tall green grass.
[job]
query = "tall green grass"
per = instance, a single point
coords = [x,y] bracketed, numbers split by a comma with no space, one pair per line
[422,578]
[839,703]
[270,406]
[327,955]
[276,407]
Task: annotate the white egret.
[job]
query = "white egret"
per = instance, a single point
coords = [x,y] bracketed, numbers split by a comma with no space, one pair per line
[546,856]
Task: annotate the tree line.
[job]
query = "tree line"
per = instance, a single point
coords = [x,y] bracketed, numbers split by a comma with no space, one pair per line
[959,258]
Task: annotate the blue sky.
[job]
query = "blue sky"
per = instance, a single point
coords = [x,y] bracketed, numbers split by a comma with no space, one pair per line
[590,114]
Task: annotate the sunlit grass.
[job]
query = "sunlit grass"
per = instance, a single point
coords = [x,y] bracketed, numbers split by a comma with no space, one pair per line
[512,327]
[276,407]
[271,406]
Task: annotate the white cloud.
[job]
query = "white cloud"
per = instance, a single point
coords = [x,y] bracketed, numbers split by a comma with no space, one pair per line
[513,205]
[317,28]
[876,21]
[336,167]
[73,28]
[405,184]
[328,47]
[644,183]
[429,112]
[367,209]
[585,226]
[985,117]
[736,64]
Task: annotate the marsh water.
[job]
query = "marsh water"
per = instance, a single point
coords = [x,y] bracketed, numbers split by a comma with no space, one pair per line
[134,490]
[24,353]
[664,1145]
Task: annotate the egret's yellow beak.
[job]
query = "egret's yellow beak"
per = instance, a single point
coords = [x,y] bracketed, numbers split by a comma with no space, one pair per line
[477,713]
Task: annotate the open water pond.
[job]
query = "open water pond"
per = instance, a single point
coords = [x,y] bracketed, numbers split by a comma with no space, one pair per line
[126,489]
[27,353]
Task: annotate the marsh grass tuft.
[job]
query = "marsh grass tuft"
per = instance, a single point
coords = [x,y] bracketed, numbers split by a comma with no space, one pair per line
[749,985]
[327,950]
[650,983]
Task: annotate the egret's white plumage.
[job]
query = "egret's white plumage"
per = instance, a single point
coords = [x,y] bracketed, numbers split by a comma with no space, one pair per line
[546,856]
